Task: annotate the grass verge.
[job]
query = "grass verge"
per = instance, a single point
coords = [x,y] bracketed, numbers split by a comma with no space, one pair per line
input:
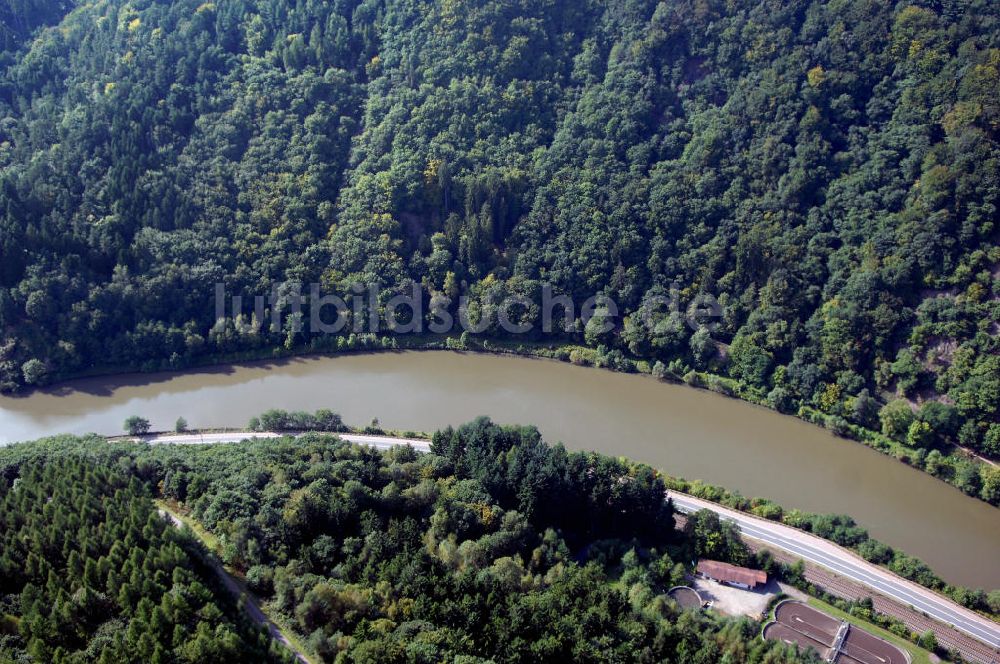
[210,541]
[213,544]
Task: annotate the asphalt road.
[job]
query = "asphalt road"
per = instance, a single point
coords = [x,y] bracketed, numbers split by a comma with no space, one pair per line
[380,442]
[847,564]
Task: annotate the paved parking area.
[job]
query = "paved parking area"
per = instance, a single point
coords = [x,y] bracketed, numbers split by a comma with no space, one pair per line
[736,601]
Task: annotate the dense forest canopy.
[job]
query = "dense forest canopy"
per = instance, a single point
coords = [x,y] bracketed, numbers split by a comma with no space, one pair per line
[829,171]
[495,547]
[89,572]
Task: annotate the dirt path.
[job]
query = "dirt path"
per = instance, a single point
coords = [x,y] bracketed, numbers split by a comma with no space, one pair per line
[238,590]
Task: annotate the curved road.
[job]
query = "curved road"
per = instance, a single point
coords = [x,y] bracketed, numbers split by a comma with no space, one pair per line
[846,563]
[380,442]
[809,547]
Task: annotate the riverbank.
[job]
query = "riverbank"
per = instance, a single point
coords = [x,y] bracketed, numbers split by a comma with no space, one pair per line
[846,533]
[726,442]
[974,476]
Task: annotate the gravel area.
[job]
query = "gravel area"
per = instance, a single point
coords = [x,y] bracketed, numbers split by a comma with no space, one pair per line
[736,601]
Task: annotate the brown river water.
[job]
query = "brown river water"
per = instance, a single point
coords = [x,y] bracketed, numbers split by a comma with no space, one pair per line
[685,432]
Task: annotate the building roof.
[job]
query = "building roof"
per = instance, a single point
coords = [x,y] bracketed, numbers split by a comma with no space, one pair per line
[720,571]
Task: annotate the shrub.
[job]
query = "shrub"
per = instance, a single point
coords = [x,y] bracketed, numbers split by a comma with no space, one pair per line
[260,580]
[780,399]
[919,434]
[896,417]
[34,371]
[136,426]
[838,425]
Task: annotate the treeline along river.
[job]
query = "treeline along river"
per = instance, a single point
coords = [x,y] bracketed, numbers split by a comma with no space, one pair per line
[685,432]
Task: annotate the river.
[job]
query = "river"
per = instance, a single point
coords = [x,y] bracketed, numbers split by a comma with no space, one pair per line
[685,432]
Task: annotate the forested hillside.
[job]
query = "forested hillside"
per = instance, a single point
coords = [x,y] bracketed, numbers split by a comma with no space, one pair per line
[19,19]
[493,548]
[828,170]
[89,572]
